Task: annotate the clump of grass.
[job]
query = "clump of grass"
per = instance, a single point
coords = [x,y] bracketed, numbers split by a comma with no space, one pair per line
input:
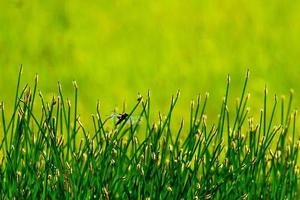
[52,155]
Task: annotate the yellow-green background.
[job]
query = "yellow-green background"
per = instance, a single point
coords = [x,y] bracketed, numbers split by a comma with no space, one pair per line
[115,49]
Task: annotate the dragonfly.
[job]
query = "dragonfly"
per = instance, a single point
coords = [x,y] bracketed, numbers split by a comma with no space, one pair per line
[120,117]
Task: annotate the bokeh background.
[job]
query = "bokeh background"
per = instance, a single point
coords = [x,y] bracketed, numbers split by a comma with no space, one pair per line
[115,49]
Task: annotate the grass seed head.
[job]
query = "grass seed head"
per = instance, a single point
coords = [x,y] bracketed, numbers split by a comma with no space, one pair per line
[153,156]
[244,196]
[297,169]
[112,162]
[114,152]
[207,196]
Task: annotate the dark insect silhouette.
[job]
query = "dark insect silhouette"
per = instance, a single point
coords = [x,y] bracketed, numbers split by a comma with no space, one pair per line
[121,118]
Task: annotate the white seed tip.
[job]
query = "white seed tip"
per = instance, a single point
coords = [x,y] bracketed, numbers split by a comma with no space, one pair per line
[75,84]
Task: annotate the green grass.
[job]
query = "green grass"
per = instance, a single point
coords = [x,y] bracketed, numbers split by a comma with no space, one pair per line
[49,154]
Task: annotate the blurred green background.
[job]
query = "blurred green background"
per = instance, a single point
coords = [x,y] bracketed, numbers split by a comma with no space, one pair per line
[115,49]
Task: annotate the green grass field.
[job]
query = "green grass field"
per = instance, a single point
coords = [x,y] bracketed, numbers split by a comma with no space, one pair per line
[115,50]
